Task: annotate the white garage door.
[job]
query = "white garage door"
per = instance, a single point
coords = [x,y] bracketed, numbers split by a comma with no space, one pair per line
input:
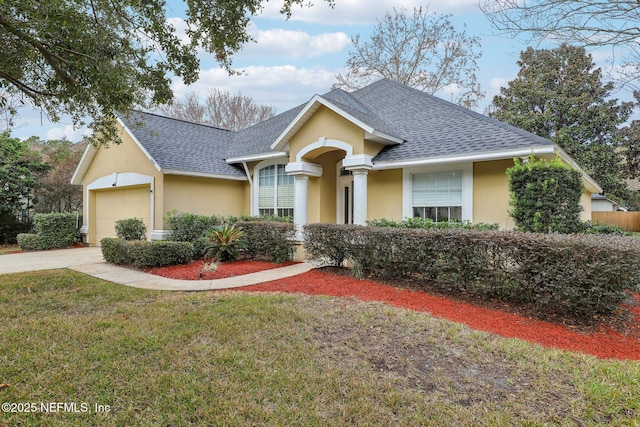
[121,203]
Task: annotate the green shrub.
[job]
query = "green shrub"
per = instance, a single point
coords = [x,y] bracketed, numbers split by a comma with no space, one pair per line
[262,218]
[144,254]
[187,227]
[52,231]
[574,276]
[597,228]
[268,240]
[115,251]
[427,224]
[327,244]
[225,243]
[131,229]
[30,242]
[545,196]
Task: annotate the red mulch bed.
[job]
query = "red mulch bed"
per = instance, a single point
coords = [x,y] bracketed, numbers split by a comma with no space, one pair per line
[603,342]
[192,270]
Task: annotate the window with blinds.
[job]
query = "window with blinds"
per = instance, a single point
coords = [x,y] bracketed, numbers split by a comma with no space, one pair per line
[275,191]
[437,196]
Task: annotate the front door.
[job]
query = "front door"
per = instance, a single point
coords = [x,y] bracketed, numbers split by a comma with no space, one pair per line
[344,191]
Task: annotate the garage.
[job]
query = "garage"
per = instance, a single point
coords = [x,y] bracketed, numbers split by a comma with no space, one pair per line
[121,203]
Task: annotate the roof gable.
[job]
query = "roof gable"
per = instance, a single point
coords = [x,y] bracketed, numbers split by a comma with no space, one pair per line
[182,147]
[374,128]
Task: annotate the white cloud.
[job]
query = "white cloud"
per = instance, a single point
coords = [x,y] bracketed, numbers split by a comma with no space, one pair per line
[498,82]
[68,132]
[278,41]
[294,44]
[283,86]
[180,29]
[362,11]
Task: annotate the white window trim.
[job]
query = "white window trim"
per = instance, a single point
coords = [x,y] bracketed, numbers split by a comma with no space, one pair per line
[255,190]
[467,186]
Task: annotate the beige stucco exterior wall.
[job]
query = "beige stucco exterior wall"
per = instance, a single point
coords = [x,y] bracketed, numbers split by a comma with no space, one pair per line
[121,158]
[491,193]
[322,191]
[246,198]
[327,124]
[203,196]
[385,194]
[124,157]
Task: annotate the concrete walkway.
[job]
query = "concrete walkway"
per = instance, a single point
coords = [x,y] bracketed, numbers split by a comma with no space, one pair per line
[89,261]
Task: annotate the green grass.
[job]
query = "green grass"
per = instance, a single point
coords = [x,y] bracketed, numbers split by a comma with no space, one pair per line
[159,358]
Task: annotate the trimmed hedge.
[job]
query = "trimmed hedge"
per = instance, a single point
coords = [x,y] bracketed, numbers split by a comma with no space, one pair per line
[427,224]
[115,251]
[144,254]
[328,244]
[577,276]
[187,227]
[52,231]
[30,242]
[268,240]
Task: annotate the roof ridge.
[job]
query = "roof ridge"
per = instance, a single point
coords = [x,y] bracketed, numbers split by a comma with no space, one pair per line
[182,120]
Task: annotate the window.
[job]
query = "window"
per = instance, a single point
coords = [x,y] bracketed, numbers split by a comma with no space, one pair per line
[437,196]
[275,191]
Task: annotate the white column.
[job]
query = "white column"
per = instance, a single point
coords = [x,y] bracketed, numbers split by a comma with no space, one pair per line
[360,197]
[301,184]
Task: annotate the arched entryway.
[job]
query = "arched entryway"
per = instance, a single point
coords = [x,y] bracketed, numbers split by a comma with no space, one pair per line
[330,183]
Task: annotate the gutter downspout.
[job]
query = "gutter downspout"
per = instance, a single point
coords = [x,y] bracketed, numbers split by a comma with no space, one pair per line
[246,170]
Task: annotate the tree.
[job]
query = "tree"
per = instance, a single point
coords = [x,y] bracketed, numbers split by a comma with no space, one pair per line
[423,51]
[220,109]
[581,22]
[559,94]
[631,145]
[20,173]
[91,58]
[56,193]
[8,110]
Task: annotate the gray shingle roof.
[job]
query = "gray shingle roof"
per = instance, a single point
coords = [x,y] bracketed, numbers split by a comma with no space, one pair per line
[257,139]
[183,146]
[429,126]
[433,127]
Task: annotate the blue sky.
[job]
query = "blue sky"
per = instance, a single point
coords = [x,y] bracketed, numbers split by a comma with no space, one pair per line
[294,59]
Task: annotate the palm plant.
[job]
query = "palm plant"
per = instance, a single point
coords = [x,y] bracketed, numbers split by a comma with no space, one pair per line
[225,243]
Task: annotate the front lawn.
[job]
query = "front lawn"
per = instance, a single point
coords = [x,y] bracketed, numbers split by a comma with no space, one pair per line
[235,358]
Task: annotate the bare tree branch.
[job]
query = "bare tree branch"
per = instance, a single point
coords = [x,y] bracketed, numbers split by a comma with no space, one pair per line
[614,23]
[220,109]
[422,50]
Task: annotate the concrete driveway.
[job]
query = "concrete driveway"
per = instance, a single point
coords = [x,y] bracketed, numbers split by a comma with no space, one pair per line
[47,260]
